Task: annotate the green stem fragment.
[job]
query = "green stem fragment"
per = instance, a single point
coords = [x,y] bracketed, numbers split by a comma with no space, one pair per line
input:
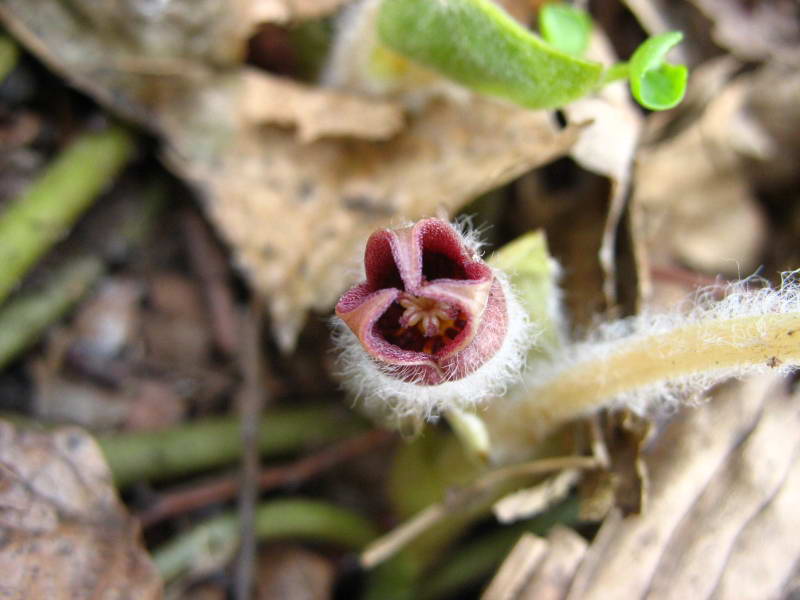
[614,73]
[23,319]
[210,443]
[214,541]
[41,216]
[9,55]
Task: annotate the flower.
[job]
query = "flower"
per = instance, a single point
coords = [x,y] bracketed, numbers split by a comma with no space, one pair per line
[432,326]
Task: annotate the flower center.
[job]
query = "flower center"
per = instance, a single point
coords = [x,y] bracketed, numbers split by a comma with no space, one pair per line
[421,324]
[430,316]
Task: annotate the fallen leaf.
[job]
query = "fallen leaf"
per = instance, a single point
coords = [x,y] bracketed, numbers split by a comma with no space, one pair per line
[284,11]
[607,147]
[537,568]
[295,213]
[65,533]
[707,216]
[718,474]
[513,574]
[294,573]
[317,113]
[554,574]
[754,30]
[531,501]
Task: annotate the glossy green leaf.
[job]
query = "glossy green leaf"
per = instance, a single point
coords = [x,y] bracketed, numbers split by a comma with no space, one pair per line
[477,44]
[566,27]
[656,84]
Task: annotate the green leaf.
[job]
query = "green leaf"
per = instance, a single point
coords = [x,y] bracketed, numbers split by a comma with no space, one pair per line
[656,84]
[565,27]
[533,274]
[477,44]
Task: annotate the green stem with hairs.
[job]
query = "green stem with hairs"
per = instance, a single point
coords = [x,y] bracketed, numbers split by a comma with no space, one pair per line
[706,347]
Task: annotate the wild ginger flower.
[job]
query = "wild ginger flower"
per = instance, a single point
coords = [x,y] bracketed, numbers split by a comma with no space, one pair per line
[432,327]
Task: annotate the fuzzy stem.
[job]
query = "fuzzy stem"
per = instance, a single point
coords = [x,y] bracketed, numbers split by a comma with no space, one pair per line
[730,344]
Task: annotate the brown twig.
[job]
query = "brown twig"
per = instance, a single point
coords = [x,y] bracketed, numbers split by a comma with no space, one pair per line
[252,400]
[225,488]
[209,264]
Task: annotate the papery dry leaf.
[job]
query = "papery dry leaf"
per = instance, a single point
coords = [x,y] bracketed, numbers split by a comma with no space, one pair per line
[257,12]
[552,578]
[531,501]
[517,568]
[65,533]
[607,147]
[296,214]
[538,569]
[717,477]
[755,30]
[696,200]
[294,574]
[317,113]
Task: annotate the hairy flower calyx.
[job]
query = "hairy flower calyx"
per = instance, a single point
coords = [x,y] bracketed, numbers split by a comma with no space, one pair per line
[429,315]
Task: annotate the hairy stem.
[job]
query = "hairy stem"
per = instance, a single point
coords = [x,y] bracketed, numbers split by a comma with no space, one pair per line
[726,346]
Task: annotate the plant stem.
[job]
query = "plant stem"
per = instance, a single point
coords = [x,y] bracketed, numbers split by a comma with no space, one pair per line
[613,73]
[210,443]
[217,538]
[26,316]
[41,216]
[9,54]
[23,319]
[727,345]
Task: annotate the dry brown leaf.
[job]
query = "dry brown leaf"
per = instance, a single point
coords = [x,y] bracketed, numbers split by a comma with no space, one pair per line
[294,574]
[317,113]
[713,472]
[706,216]
[538,569]
[517,568]
[257,12]
[552,578]
[531,501]
[65,533]
[296,214]
[607,147]
[755,30]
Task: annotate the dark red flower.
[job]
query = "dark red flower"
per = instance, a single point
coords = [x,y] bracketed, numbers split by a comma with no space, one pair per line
[430,312]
